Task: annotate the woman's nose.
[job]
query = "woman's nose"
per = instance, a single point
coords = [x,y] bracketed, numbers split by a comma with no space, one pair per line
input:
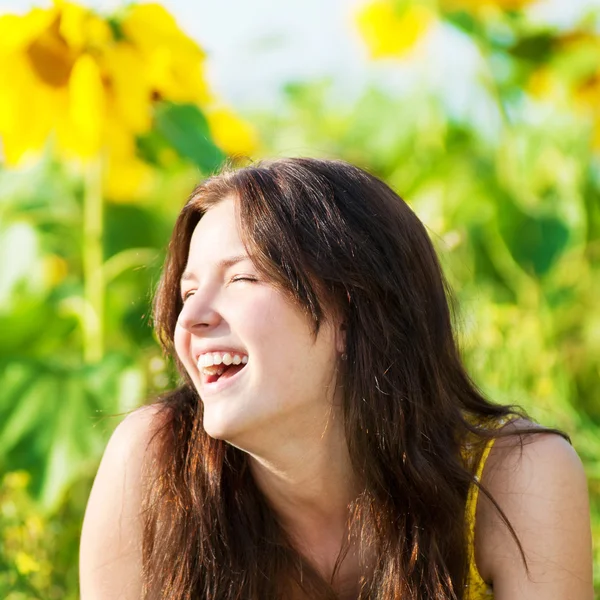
[198,313]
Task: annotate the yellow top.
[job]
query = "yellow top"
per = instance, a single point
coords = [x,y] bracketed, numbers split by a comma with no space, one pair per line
[477,588]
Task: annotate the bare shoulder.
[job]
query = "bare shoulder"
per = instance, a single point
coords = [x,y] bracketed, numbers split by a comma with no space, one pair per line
[539,482]
[110,550]
[522,458]
[133,437]
[131,446]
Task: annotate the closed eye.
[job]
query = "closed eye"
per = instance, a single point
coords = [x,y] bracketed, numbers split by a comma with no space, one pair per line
[186,295]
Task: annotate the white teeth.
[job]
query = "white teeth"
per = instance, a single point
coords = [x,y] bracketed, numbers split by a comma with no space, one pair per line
[207,361]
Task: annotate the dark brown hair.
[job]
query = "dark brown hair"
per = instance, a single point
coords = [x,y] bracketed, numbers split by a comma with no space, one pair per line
[334,238]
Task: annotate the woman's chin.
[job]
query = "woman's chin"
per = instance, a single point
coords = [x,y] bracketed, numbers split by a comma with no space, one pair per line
[223,427]
[216,430]
[244,434]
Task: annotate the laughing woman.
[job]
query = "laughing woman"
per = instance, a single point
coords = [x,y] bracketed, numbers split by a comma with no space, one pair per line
[326,441]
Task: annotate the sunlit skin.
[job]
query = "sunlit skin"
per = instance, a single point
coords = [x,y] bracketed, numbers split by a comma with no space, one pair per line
[283,408]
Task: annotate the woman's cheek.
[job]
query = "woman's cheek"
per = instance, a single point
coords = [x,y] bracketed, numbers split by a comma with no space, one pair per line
[181,341]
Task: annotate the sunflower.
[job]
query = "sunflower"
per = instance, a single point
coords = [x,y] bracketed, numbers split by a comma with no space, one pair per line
[89,84]
[391,28]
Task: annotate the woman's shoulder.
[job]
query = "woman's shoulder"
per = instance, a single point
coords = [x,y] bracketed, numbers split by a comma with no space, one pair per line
[538,481]
[110,550]
[130,449]
[527,453]
[134,435]
[133,442]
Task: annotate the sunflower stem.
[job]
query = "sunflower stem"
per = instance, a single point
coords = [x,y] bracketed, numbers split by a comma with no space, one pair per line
[93,281]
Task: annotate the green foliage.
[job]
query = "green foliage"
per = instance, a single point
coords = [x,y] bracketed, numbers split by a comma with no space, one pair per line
[38,552]
[185,129]
[57,409]
[182,128]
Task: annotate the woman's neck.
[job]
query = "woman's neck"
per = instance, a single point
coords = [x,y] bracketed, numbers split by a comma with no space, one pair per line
[310,483]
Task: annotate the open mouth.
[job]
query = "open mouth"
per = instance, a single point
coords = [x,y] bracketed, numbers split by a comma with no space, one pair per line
[218,367]
[222,373]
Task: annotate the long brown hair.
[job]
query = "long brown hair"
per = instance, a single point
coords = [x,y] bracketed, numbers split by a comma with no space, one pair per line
[334,238]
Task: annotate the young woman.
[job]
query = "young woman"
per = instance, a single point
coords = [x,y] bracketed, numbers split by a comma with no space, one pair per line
[326,441]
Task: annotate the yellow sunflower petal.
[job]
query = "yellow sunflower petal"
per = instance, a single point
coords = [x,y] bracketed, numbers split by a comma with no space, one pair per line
[179,77]
[129,92]
[391,33]
[149,25]
[232,134]
[87,106]
[28,110]
[72,24]
[81,28]
[120,142]
[16,31]
[127,180]
[172,60]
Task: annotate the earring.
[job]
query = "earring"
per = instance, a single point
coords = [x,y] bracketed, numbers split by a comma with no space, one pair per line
[344,356]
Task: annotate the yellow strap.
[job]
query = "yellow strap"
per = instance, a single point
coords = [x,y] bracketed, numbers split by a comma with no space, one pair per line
[477,588]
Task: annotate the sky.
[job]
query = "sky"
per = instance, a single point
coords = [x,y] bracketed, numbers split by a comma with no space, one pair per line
[254,47]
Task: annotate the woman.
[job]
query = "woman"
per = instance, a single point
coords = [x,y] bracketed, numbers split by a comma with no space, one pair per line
[326,442]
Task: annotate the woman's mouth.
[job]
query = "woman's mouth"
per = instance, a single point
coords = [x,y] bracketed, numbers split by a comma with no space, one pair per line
[223,373]
[218,369]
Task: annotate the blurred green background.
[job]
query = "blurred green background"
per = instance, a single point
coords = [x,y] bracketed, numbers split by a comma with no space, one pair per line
[484,116]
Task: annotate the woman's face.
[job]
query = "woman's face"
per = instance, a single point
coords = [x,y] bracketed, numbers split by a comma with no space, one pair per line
[280,380]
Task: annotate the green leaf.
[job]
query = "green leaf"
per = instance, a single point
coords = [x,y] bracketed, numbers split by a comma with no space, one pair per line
[464,21]
[185,127]
[131,226]
[534,48]
[56,418]
[535,242]
[24,405]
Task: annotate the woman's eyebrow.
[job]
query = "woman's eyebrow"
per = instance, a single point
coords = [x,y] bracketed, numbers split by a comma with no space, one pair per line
[223,264]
